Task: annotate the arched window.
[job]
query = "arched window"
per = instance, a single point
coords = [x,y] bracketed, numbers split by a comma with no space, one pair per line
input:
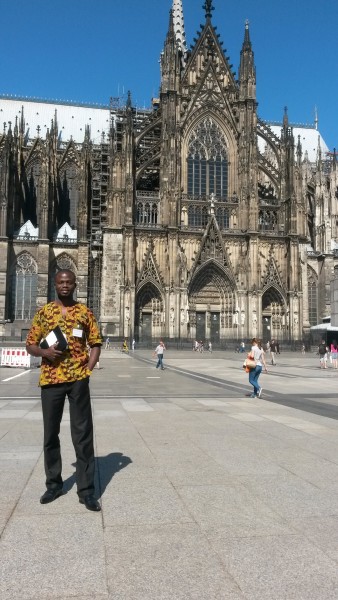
[222,216]
[31,181]
[24,287]
[63,262]
[313,298]
[147,213]
[68,192]
[197,216]
[207,161]
[267,220]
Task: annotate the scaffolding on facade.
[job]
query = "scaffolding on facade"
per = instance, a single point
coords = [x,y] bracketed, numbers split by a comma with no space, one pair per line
[98,212]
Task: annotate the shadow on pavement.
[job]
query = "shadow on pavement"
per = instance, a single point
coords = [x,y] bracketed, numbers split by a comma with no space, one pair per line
[106,467]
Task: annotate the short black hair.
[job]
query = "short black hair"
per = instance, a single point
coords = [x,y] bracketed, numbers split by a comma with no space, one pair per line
[65,271]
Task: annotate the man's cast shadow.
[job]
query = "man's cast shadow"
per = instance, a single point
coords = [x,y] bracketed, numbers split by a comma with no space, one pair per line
[106,467]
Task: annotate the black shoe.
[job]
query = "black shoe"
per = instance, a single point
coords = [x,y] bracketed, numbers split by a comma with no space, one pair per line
[90,502]
[50,496]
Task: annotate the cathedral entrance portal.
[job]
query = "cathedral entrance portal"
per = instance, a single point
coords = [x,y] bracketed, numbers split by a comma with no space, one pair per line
[149,314]
[273,315]
[212,302]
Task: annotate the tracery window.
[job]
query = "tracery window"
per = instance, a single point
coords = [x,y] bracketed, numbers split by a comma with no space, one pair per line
[223,219]
[207,161]
[24,287]
[146,213]
[197,216]
[313,299]
[31,179]
[68,192]
[267,220]
[63,262]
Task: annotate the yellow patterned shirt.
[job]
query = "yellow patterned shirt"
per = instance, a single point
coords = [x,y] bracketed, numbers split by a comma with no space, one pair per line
[72,365]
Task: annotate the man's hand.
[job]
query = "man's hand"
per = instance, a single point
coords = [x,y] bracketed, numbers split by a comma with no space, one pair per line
[52,352]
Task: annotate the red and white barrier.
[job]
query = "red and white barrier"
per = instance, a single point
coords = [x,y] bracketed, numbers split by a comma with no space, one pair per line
[18,357]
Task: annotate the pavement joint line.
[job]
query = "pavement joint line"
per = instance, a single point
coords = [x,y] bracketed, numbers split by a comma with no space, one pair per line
[214,380]
[15,376]
[10,398]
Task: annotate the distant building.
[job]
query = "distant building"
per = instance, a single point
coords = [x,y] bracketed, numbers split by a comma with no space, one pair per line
[195,219]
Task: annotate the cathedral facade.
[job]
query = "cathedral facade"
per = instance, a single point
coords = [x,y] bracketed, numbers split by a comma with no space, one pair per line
[194,219]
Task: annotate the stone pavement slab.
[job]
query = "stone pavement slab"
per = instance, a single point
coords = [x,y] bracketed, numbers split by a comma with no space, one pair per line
[206,494]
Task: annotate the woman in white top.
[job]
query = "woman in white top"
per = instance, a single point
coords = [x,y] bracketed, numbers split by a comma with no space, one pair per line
[258,355]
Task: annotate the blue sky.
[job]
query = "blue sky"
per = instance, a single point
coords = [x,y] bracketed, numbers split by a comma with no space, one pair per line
[89,50]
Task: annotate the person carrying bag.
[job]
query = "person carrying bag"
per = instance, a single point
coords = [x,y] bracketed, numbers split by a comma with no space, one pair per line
[254,365]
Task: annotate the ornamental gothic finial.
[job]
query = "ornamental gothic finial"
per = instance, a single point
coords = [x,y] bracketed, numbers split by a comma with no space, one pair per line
[208,7]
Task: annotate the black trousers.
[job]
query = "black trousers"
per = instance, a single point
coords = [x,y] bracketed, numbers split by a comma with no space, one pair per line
[81,427]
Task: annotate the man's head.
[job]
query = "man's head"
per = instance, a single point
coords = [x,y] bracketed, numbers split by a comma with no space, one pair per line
[65,283]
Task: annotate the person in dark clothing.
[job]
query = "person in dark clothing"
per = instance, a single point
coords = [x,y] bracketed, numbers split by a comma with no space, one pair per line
[273,350]
[322,351]
[65,371]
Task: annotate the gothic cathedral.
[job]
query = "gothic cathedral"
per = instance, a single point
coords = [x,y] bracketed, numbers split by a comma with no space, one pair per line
[194,219]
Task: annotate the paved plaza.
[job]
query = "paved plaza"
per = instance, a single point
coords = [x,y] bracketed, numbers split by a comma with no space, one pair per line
[206,493]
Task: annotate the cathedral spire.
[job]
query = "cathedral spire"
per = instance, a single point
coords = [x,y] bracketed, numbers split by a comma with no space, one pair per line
[171,59]
[247,42]
[178,22]
[247,70]
[22,122]
[208,7]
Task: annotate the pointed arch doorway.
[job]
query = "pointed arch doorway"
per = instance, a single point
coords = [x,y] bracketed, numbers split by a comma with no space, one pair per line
[212,302]
[149,316]
[273,315]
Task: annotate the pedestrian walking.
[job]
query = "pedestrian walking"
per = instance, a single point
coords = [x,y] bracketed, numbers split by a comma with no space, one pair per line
[322,351]
[257,354]
[125,348]
[273,350]
[334,354]
[60,334]
[159,350]
[133,345]
[107,344]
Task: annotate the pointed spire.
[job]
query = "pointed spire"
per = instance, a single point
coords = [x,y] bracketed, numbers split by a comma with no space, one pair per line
[319,151]
[316,118]
[299,150]
[247,42]
[87,134]
[22,122]
[285,117]
[178,22]
[171,59]
[287,130]
[208,7]
[56,123]
[247,70]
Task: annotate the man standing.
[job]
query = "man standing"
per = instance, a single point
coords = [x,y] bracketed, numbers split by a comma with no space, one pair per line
[273,350]
[66,372]
[159,353]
